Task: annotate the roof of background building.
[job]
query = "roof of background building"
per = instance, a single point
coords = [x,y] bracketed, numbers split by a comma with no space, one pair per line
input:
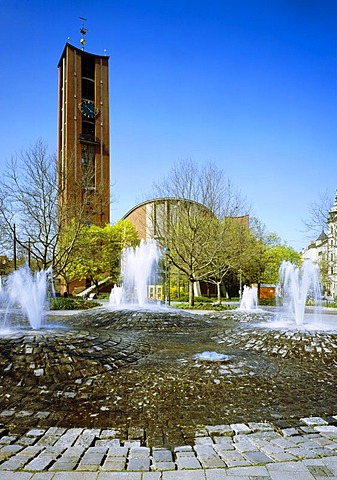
[162,199]
[323,237]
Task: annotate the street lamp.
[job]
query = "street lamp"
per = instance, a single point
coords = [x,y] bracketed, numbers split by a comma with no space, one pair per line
[240,280]
[14,246]
[167,293]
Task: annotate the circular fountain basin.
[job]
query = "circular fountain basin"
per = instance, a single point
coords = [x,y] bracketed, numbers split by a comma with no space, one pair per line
[324,321]
[134,368]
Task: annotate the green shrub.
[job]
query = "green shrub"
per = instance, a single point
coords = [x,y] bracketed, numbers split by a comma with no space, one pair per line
[71,303]
[330,305]
[184,298]
[104,296]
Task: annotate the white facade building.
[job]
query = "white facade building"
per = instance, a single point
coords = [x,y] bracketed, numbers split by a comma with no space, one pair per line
[324,252]
[317,249]
[332,249]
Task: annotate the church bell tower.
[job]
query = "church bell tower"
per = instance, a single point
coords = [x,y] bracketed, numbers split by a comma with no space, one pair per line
[83,134]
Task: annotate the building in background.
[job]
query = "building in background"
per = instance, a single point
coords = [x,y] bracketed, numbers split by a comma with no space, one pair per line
[152,217]
[152,220]
[83,140]
[317,249]
[332,250]
[83,134]
[323,251]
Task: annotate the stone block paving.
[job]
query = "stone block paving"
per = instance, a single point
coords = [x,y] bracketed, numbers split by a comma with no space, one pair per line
[254,451]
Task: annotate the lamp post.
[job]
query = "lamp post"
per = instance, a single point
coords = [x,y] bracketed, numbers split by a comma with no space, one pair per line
[14,246]
[240,280]
[169,281]
[167,285]
[29,253]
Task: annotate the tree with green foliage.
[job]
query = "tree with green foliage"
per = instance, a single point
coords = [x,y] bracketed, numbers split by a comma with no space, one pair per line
[274,254]
[96,254]
[253,259]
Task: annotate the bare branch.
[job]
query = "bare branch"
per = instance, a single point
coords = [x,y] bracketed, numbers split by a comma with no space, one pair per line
[319,214]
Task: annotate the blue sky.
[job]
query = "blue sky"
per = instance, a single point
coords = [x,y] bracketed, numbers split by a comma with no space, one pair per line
[249,85]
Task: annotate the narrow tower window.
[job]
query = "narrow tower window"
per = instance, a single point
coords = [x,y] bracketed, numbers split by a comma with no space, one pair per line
[88,166]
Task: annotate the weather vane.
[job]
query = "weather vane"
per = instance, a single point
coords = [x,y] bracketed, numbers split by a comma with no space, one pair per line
[83,32]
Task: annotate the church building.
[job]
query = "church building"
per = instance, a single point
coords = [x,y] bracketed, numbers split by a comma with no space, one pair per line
[83,134]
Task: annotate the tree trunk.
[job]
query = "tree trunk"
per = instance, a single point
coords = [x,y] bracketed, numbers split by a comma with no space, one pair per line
[191,293]
[218,288]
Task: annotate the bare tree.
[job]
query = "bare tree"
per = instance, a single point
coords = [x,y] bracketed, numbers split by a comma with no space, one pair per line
[319,214]
[233,244]
[189,224]
[32,212]
[6,241]
[28,205]
[205,184]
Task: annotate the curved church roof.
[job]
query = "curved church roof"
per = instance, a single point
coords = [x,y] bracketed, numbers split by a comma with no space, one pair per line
[163,199]
[80,52]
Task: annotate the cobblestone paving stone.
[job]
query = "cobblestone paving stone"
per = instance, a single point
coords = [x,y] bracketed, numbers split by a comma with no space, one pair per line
[124,395]
[252,450]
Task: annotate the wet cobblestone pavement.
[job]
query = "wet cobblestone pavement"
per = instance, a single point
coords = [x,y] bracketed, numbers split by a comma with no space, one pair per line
[131,383]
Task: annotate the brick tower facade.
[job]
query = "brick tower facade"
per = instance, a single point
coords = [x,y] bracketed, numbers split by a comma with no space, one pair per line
[83,135]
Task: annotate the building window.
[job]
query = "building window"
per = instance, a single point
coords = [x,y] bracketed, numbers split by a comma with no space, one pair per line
[88,66]
[88,166]
[88,89]
[88,129]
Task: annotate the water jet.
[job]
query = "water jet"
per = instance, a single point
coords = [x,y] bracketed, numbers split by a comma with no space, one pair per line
[26,293]
[138,269]
[296,287]
[210,356]
[249,298]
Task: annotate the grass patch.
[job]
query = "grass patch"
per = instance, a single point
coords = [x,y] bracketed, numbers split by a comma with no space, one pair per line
[267,302]
[72,303]
[104,296]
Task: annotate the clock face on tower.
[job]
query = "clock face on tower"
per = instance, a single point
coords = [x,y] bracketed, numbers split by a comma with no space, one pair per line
[88,108]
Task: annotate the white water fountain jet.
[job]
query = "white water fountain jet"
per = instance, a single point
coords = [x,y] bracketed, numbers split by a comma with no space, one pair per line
[1,289]
[116,295]
[249,298]
[139,269]
[209,356]
[297,286]
[28,291]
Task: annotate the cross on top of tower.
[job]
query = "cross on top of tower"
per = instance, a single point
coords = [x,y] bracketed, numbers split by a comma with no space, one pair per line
[83,32]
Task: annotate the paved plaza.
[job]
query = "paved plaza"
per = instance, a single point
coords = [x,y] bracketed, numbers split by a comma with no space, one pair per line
[167,395]
[237,451]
